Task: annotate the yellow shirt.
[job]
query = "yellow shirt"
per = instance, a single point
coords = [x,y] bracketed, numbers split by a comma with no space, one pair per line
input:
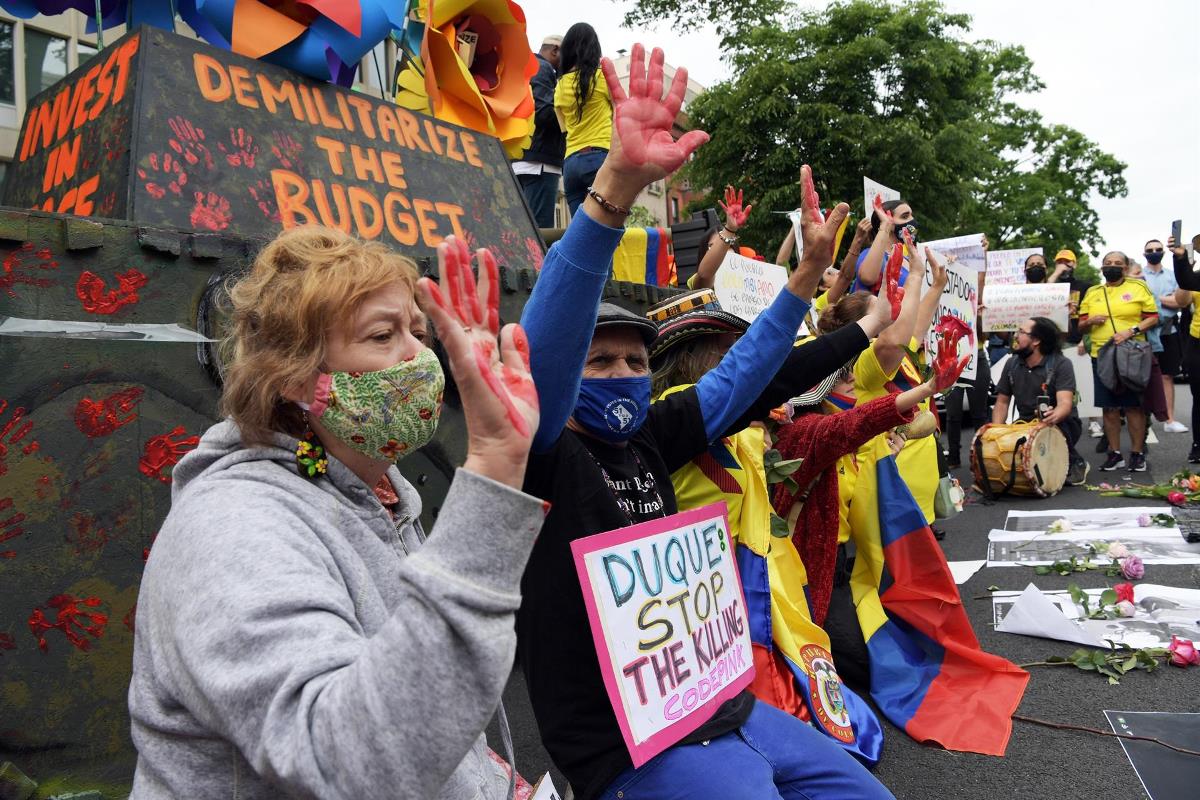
[917,461]
[595,128]
[1194,328]
[847,472]
[1131,301]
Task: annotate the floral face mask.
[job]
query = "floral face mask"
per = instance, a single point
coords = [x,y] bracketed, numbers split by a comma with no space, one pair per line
[385,414]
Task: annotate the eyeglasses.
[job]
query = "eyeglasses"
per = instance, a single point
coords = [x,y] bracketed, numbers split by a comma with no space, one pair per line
[1027,333]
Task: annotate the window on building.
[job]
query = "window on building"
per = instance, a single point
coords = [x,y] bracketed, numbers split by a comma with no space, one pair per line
[85,52]
[45,62]
[8,90]
[674,210]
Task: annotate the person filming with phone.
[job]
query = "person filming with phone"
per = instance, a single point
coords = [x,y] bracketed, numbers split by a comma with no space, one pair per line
[1043,384]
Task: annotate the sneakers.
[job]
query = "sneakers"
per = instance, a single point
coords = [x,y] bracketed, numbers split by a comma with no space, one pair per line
[1114,462]
[1174,426]
[1078,472]
[1095,430]
[1194,453]
[1137,462]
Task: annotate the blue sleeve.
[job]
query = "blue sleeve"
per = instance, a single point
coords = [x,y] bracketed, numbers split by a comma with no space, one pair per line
[560,317]
[726,391]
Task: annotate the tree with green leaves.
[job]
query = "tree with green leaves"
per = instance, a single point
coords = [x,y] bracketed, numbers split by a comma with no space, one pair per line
[898,93]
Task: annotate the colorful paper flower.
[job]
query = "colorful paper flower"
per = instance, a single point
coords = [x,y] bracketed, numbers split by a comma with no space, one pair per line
[324,39]
[468,62]
[112,12]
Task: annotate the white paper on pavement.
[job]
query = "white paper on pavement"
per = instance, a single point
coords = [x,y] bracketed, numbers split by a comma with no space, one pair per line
[872,188]
[1034,614]
[963,570]
[1006,307]
[1008,266]
[1160,612]
[1034,548]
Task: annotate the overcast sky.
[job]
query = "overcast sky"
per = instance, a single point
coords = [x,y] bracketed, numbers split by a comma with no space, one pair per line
[1126,74]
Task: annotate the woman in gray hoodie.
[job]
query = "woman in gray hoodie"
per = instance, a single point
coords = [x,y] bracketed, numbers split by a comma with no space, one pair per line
[297,635]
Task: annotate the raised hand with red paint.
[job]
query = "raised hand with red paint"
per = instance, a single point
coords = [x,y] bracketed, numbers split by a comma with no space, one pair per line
[819,233]
[498,395]
[735,213]
[947,366]
[891,278]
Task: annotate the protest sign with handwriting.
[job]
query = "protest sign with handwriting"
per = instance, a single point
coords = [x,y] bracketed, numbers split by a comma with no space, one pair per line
[669,622]
[960,298]
[1006,307]
[746,287]
[872,188]
[1008,266]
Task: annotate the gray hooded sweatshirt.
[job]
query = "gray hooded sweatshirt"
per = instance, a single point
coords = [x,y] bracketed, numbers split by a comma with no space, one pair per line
[295,640]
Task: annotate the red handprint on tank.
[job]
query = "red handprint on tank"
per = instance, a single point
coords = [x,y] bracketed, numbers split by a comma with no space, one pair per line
[13,436]
[263,195]
[211,212]
[189,143]
[10,521]
[162,173]
[164,451]
[242,150]
[533,250]
[97,298]
[96,418]
[72,618]
[17,270]
[286,149]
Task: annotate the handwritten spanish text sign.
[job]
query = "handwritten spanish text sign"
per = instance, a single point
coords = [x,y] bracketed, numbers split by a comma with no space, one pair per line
[872,188]
[669,621]
[746,287]
[1006,307]
[960,298]
[1008,266]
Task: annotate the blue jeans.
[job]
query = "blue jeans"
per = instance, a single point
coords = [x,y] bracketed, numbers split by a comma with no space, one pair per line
[541,192]
[579,170]
[773,756]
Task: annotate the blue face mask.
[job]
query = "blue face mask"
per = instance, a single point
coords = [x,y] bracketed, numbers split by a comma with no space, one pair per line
[613,409]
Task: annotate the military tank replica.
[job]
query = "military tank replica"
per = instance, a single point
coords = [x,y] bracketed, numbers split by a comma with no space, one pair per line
[141,183]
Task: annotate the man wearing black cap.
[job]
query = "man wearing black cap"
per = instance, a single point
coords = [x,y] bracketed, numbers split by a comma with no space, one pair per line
[603,458]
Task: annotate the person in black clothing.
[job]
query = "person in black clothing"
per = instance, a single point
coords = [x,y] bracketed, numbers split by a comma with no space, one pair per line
[540,167]
[1038,374]
[603,460]
[1189,283]
[1064,272]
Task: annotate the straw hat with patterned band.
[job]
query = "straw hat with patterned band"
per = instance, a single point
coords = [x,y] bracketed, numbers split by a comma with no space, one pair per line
[681,304]
[693,324]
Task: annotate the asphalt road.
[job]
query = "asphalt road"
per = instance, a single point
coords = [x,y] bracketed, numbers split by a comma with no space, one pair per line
[1040,762]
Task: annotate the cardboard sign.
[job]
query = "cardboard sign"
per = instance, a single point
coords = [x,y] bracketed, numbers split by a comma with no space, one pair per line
[167,131]
[669,622]
[1008,266]
[960,299]
[1006,307]
[746,287]
[872,188]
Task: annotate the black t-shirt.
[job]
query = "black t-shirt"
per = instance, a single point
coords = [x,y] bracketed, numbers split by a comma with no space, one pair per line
[575,719]
[1025,384]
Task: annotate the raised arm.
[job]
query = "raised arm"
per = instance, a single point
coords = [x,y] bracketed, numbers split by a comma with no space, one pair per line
[845,278]
[727,391]
[784,256]
[727,238]
[561,313]
[872,266]
[891,345]
[1185,276]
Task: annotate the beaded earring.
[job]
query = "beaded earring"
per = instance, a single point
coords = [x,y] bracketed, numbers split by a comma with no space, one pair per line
[311,461]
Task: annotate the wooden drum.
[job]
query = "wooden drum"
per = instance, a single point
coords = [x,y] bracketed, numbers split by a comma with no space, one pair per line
[1025,458]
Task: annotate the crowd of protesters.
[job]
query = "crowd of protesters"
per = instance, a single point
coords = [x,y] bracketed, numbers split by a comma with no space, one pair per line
[381,652]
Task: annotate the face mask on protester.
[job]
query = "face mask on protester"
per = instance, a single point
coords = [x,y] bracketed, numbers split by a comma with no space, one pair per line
[910,226]
[1113,274]
[1035,274]
[1066,274]
[613,409]
[1154,258]
[386,414]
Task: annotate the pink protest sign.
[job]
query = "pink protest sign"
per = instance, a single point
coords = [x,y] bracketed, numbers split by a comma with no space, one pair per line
[669,621]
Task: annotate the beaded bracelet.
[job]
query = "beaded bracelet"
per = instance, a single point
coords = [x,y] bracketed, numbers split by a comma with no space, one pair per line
[730,242]
[611,208]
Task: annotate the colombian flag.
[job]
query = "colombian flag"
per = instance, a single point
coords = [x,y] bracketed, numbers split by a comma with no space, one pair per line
[794,670]
[644,256]
[928,673]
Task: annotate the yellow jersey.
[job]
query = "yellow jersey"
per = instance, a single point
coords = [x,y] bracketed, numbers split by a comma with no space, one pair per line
[594,128]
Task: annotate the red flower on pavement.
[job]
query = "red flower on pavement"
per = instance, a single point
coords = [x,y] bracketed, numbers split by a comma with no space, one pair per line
[1177,498]
[1124,591]
[1183,653]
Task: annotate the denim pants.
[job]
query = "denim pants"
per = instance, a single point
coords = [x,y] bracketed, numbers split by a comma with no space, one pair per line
[579,170]
[541,193]
[774,756]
